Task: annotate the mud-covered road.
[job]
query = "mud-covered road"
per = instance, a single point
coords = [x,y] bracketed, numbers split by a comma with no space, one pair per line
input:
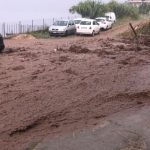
[59,85]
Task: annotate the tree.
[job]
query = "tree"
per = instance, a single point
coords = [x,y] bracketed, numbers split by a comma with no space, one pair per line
[144,8]
[89,9]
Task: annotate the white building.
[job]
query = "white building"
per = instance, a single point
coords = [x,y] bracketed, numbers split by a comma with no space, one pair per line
[138,2]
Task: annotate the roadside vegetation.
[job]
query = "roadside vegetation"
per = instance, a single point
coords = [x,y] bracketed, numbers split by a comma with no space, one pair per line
[44,34]
[94,8]
[142,29]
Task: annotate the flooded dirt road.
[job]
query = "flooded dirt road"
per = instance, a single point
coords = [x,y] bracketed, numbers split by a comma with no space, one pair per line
[60,85]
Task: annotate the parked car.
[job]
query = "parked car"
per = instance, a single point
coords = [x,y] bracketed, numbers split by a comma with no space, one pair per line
[88,26]
[111,16]
[62,27]
[104,23]
[2,46]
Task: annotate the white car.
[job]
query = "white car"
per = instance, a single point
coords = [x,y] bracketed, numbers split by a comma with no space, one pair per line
[88,26]
[62,27]
[104,23]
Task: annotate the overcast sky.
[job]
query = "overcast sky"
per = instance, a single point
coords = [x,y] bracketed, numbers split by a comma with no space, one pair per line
[15,10]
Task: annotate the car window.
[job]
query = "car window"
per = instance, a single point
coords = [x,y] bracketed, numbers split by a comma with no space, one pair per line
[85,23]
[77,21]
[109,20]
[100,20]
[107,17]
[97,23]
[72,22]
[94,23]
[61,23]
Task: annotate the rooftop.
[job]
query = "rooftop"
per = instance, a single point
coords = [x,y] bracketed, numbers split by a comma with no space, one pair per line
[139,1]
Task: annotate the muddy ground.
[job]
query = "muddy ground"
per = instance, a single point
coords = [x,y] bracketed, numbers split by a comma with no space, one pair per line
[60,85]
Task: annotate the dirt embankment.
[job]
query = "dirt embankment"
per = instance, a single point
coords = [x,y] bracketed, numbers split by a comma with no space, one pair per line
[51,87]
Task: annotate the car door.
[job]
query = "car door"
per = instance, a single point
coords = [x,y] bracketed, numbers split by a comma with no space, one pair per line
[96,26]
[109,23]
[69,27]
[73,27]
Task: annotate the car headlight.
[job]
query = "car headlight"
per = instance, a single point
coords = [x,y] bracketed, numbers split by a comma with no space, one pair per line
[64,29]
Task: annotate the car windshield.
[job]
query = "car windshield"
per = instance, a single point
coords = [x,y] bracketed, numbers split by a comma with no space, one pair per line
[60,23]
[107,17]
[85,23]
[100,20]
[77,21]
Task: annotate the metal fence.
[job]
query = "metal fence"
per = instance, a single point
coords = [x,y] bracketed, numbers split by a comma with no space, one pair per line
[7,29]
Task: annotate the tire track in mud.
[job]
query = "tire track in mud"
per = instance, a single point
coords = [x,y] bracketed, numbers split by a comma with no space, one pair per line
[94,108]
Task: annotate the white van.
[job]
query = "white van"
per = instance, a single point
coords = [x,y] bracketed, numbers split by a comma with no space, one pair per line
[111,16]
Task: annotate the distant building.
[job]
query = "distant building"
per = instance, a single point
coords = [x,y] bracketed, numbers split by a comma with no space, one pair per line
[138,2]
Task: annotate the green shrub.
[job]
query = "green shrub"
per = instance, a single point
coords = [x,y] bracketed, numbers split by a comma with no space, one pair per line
[41,34]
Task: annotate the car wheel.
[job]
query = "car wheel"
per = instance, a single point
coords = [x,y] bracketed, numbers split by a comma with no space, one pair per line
[93,33]
[102,29]
[74,31]
[99,31]
[66,33]
[2,48]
